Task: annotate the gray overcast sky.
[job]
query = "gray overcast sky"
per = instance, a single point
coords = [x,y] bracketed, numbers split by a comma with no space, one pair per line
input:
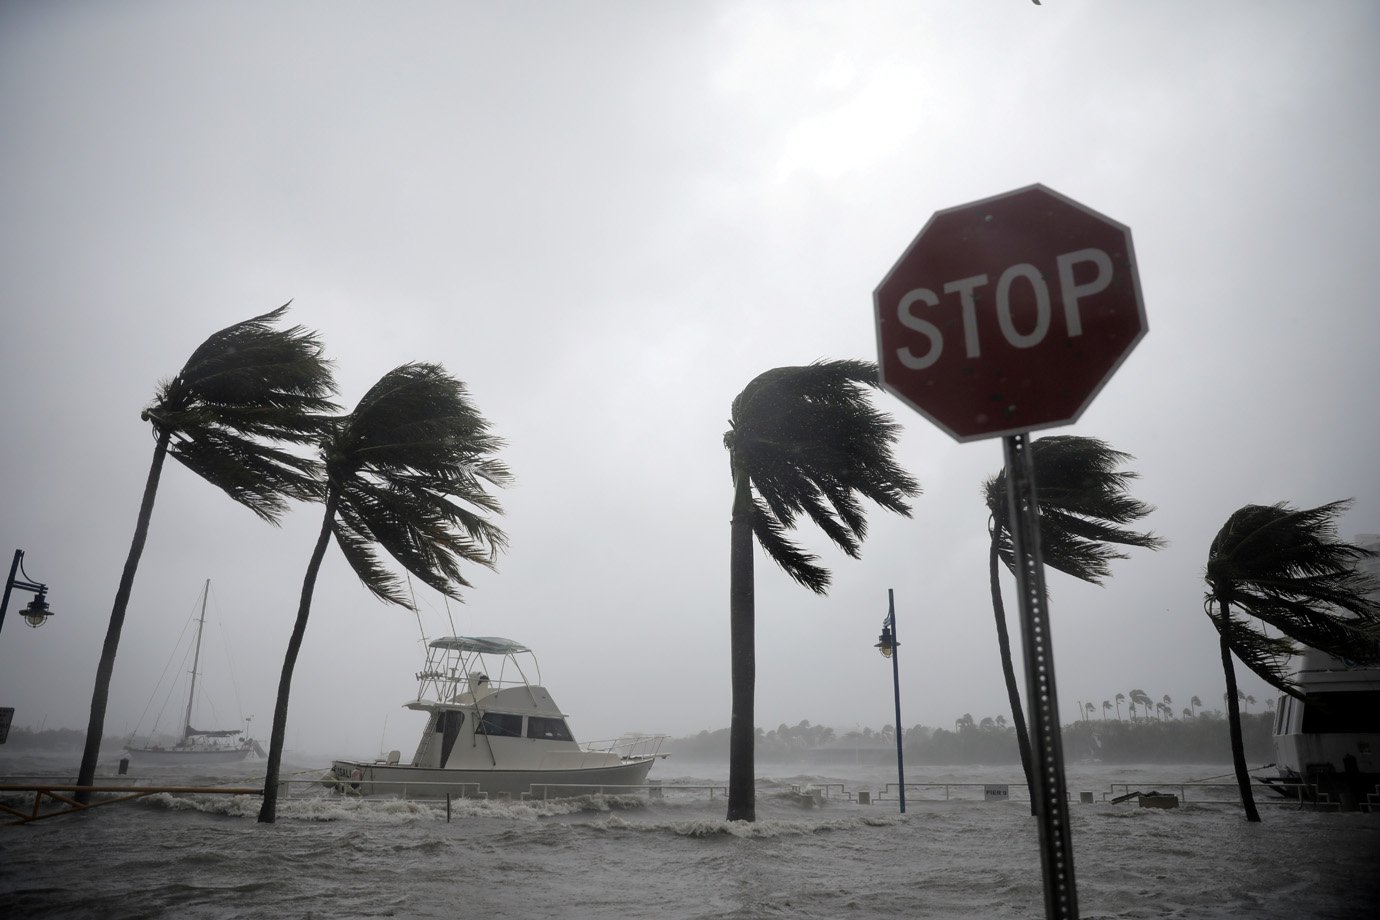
[607,217]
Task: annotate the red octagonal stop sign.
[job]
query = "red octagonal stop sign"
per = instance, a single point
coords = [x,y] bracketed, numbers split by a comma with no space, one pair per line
[1009,314]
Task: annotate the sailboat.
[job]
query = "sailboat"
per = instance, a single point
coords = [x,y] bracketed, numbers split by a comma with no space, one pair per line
[198,745]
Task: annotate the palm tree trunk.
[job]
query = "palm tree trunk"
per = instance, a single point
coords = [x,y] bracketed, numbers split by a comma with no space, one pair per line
[741,605]
[1238,747]
[105,669]
[268,811]
[1008,670]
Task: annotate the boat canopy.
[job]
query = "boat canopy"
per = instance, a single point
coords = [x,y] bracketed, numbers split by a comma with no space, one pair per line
[485,645]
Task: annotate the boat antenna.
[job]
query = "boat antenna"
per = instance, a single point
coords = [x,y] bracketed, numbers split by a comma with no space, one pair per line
[448,616]
[416,610]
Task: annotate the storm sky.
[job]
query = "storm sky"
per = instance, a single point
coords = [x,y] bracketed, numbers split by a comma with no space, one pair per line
[606,218]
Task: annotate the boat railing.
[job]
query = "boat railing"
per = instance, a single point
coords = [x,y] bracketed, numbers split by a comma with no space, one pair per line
[633,746]
[544,791]
[985,791]
[373,787]
[1190,793]
[1227,793]
[443,685]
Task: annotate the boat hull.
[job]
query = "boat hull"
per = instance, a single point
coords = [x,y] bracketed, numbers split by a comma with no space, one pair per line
[170,757]
[406,781]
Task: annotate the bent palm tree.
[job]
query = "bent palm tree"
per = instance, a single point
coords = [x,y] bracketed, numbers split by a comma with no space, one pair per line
[802,441]
[1120,698]
[407,470]
[245,388]
[1142,699]
[1279,567]
[1084,509]
[1193,704]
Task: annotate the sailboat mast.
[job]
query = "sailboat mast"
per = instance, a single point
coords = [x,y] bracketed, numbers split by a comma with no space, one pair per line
[196,660]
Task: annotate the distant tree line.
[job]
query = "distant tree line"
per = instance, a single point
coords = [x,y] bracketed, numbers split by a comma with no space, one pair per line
[1202,739]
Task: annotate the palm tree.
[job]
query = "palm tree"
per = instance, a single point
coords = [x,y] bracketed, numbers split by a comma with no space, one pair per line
[1106,704]
[1283,568]
[409,470]
[1142,699]
[244,390]
[1168,704]
[1187,713]
[802,440]
[1084,508]
[1249,700]
[1194,703]
[1088,708]
[1120,698]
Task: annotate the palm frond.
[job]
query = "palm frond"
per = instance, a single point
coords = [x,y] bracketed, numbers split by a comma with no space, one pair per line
[1267,656]
[1084,506]
[796,562]
[811,443]
[1289,568]
[255,475]
[356,543]
[244,390]
[412,468]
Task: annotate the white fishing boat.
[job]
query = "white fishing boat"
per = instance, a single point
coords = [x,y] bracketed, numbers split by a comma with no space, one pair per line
[1328,743]
[492,731]
[198,746]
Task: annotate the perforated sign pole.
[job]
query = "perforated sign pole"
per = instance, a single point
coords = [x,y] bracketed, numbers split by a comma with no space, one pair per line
[1005,316]
[1049,791]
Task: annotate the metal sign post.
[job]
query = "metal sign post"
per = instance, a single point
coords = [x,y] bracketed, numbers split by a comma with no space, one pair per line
[1005,316]
[1042,703]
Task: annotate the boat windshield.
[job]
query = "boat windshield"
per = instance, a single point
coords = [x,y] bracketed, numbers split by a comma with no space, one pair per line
[1345,711]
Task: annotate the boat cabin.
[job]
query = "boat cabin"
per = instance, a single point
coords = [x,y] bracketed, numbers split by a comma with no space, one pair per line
[484,710]
[1332,735]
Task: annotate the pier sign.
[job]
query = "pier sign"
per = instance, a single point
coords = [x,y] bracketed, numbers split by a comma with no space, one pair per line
[1008,314]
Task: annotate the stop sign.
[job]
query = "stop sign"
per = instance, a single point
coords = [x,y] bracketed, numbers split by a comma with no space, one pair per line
[1008,314]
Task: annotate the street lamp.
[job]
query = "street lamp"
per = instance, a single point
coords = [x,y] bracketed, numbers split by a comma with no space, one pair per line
[37,612]
[887,645]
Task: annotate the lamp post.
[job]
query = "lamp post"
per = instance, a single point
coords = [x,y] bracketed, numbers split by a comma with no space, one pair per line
[37,613]
[887,645]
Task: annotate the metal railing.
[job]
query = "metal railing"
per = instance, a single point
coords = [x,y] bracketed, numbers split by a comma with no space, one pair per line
[1301,795]
[948,788]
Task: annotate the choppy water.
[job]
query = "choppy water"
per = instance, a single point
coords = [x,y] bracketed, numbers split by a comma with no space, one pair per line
[675,857]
